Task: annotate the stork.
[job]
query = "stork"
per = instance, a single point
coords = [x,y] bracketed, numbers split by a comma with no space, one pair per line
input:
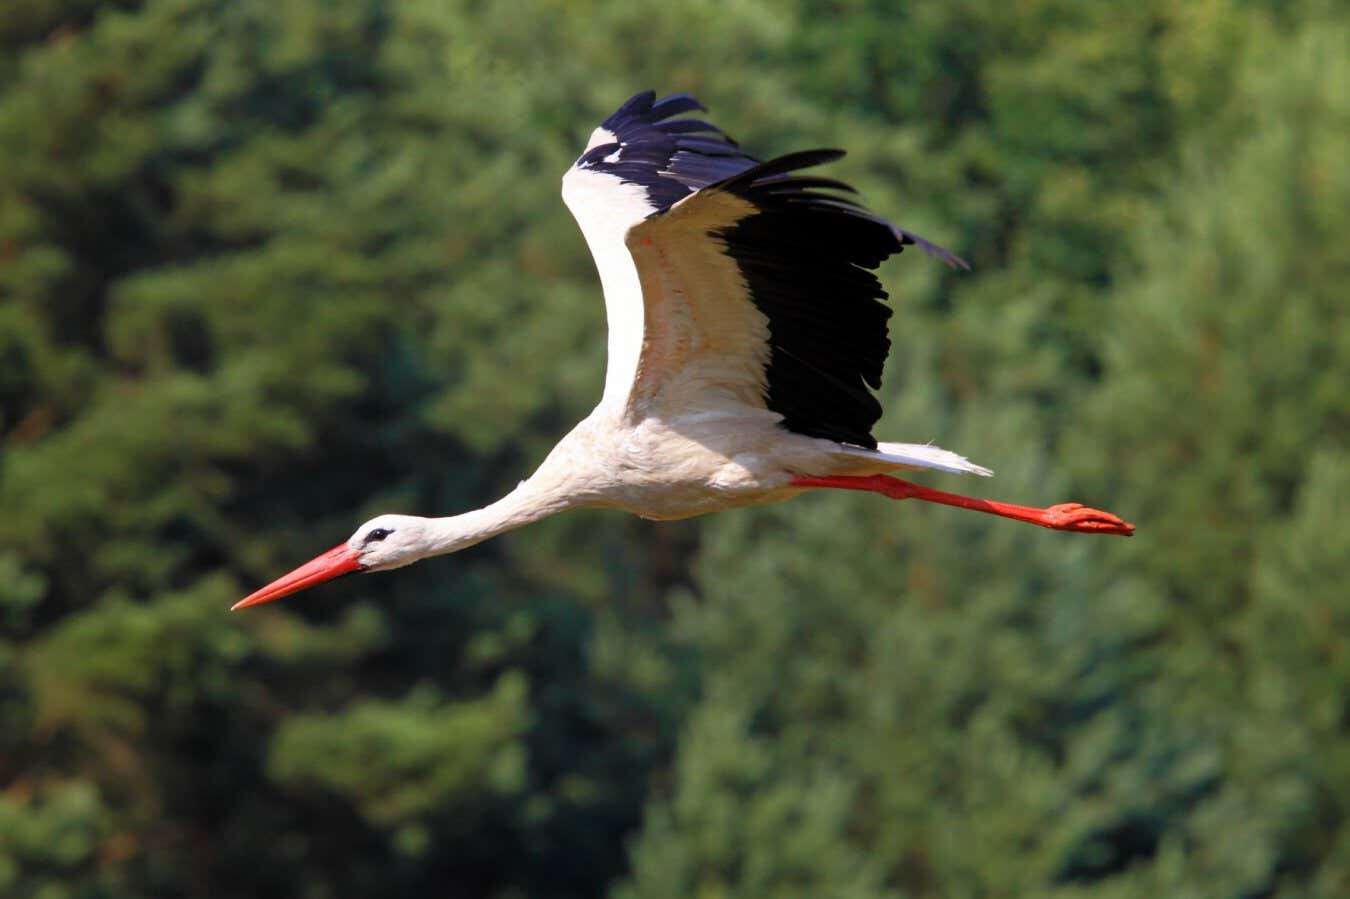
[746,334]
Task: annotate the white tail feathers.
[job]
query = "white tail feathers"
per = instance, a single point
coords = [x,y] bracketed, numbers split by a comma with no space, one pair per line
[920,455]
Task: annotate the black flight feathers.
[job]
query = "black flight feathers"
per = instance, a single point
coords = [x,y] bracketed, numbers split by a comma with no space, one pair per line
[674,157]
[669,158]
[805,255]
[772,177]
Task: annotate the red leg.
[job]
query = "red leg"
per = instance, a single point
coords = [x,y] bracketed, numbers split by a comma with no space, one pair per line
[1063,517]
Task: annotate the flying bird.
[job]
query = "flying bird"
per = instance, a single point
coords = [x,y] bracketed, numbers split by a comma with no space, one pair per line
[746,335]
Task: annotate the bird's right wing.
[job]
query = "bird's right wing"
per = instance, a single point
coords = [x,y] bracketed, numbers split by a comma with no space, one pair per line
[640,161]
[758,290]
[751,290]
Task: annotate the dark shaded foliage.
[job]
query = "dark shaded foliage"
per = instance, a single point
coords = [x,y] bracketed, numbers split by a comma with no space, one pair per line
[267,269]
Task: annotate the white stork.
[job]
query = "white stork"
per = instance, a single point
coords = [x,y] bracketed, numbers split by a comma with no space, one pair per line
[745,330]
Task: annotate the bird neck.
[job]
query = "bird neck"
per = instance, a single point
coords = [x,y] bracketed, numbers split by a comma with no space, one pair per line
[527,503]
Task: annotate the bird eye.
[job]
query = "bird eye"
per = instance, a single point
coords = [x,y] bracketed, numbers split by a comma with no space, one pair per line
[376,535]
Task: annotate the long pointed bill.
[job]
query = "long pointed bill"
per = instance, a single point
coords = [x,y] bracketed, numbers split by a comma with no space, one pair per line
[336,562]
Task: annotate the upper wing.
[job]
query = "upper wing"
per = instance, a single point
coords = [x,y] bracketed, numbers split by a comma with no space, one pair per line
[640,161]
[751,289]
[643,144]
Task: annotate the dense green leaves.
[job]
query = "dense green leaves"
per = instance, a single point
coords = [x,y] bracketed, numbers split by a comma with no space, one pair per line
[267,269]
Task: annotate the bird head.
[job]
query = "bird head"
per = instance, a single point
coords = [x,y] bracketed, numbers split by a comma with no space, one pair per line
[389,541]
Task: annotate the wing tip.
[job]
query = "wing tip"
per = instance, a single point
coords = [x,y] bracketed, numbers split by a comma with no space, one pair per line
[909,238]
[645,105]
[642,100]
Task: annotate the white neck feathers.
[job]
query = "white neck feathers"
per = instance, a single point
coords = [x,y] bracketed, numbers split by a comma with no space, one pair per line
[522,506]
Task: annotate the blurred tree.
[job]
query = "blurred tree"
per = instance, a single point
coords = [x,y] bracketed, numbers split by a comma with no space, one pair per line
[267,269]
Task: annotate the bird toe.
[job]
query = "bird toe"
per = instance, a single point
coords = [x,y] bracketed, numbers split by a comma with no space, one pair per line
[1082,519]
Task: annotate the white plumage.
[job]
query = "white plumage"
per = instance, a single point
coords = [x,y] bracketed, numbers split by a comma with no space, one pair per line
[745,330]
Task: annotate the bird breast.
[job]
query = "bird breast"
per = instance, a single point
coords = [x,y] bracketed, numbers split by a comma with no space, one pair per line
[669,469]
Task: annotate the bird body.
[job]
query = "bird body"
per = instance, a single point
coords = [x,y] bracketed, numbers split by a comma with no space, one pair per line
[703,460]
[746,335]
[686,465]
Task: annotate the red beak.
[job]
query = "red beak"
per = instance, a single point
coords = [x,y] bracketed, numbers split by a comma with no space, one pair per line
[336,562]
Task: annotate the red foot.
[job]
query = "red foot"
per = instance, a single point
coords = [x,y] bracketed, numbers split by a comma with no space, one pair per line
[1080,518]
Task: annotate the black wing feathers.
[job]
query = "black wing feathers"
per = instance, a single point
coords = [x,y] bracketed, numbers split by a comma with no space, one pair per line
[806,256]
[669,159]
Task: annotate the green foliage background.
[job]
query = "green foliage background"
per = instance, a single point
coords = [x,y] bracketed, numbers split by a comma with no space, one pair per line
[267,269]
